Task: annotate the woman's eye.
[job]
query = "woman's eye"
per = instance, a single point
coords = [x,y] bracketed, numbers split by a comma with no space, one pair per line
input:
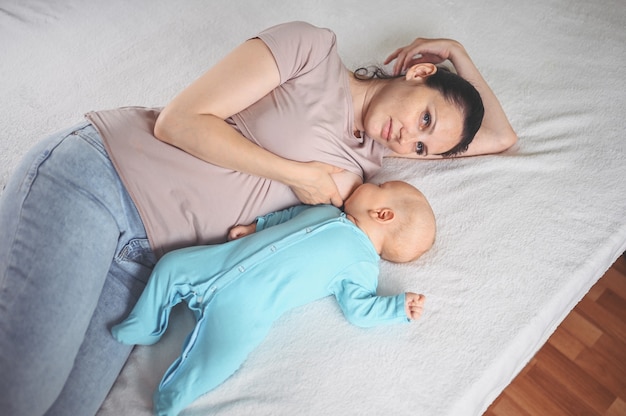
[426,120]
[419,148]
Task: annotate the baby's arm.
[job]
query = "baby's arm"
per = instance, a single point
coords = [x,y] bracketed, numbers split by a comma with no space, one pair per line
[266,221]
[413,305]
[361,305]
[355,290]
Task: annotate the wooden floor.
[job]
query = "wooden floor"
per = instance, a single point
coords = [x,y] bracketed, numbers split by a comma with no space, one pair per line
[581,370]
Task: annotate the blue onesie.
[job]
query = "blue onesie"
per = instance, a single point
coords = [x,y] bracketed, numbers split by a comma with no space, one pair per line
[238,289]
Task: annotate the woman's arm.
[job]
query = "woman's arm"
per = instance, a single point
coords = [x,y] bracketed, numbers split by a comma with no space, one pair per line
[495,134]
[194,122]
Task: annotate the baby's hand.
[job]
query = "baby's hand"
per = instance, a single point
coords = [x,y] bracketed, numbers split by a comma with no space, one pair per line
[239,231]
[414,305]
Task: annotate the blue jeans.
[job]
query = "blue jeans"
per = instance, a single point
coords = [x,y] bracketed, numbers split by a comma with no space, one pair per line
[74,259]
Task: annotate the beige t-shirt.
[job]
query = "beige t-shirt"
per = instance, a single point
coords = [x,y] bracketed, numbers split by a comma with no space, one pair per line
[184,201]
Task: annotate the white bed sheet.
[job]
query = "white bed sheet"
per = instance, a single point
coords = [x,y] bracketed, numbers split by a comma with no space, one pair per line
[522,235]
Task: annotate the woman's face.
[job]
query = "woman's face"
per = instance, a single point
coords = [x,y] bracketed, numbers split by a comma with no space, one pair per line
[408,117]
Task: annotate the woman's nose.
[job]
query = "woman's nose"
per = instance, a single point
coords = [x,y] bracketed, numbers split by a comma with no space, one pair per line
[407,137]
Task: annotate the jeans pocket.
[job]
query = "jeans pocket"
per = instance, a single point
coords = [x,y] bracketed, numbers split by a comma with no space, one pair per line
[137,251]
[137,259]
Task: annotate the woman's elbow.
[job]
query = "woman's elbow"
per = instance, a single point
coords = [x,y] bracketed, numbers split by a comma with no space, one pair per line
[165,126]
[499,141]
[508,140]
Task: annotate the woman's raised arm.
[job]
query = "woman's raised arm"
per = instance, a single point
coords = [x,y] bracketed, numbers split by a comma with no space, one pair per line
[194,122]
[495,134]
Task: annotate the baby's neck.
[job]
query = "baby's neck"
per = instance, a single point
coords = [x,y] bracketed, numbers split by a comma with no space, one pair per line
[377,245]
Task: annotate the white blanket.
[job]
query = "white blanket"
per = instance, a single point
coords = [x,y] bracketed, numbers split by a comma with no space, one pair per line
[522,235]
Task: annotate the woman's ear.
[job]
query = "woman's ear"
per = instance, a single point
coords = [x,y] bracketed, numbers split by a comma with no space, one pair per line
[382,215]
[420,71]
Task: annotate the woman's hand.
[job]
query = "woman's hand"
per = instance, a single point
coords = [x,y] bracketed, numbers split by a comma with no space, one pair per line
[423,50]
[313,184]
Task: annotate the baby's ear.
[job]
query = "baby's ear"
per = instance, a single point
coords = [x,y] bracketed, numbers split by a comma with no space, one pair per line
[382,215]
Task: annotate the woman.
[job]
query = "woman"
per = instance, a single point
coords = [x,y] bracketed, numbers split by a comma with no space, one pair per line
[279,120]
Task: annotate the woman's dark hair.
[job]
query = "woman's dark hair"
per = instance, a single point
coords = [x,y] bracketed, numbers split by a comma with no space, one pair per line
[454,89]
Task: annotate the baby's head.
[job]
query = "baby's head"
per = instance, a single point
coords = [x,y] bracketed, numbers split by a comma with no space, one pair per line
[396,217]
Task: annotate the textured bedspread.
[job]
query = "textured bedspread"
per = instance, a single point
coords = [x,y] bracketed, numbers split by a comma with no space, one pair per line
[522,235]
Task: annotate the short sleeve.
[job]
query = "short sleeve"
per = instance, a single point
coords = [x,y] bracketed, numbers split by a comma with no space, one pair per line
[298,47]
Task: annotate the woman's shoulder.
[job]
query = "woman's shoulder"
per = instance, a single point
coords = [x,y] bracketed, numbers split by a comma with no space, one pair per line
[298,46]
[299,29]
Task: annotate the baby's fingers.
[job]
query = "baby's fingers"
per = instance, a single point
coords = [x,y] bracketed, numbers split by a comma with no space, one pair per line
[414,305]
[416,312]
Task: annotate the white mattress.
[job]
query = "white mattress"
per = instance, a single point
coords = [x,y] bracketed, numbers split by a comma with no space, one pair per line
[522,235]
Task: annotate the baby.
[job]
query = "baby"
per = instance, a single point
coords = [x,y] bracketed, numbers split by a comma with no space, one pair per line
[238,289]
